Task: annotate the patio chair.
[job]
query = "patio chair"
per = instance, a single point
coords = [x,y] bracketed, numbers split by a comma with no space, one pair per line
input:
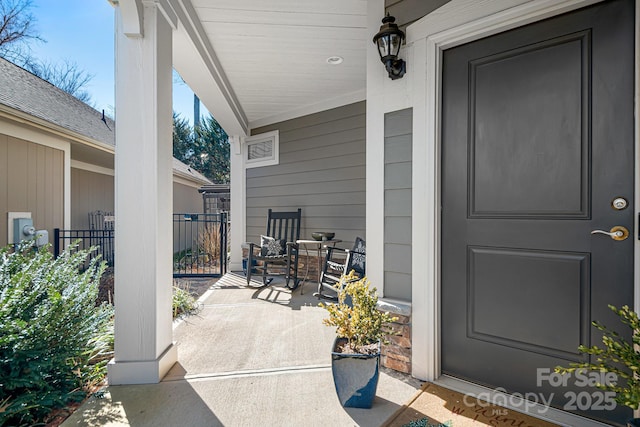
[339,262]
[277,247]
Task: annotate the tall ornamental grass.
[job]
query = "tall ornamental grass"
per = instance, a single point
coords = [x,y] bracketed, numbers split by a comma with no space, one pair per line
[54,341]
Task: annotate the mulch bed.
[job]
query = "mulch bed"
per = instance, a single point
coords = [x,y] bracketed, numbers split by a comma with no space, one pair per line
[105,289]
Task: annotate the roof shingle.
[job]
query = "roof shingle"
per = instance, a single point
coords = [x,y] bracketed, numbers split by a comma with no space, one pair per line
[25,92]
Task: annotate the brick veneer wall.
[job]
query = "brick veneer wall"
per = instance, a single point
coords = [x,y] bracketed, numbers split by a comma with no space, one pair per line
[396,354]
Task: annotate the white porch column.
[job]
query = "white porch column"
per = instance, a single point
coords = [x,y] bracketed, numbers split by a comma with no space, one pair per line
[238,205]
[376,104]
[144,350]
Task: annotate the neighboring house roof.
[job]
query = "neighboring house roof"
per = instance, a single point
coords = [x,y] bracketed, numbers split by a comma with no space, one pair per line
[25,92]
[215,188]
[36,97]
[185,171]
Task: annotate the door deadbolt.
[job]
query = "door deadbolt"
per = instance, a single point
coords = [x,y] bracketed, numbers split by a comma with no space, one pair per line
[618,233]
[619,203]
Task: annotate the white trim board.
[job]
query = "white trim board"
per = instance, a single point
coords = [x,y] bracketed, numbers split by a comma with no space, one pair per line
[76,164]
[186,182]
[190,38]
[238,175]
[18,118]
[177,177]
[273,159]
[456,23]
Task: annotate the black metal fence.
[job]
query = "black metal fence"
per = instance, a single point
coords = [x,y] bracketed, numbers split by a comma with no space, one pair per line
[200,244]
[101,239]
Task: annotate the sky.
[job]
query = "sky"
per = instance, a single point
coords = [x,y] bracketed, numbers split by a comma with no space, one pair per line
[82,31]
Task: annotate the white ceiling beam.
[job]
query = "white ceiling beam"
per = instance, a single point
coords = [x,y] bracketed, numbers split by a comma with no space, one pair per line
[197,63]
[346,7]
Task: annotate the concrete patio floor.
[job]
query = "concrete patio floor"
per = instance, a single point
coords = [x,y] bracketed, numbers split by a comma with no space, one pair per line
[250,357]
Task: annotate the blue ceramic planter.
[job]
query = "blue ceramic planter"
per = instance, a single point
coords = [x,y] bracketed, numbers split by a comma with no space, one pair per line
[355,377]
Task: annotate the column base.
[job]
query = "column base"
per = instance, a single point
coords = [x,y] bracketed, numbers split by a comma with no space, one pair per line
[142,372]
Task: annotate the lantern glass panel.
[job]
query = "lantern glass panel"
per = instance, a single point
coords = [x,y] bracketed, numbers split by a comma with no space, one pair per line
[383,46]
[396,42]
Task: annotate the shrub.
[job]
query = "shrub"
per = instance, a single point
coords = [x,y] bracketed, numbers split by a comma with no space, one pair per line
[209,242]
[360,321]
[184,304]
[617,355]
[54,341]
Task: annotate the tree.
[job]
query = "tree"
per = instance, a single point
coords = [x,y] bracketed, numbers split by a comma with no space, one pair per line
[213,148]
[206,149]
[16,28]
[182,139]
[65,75]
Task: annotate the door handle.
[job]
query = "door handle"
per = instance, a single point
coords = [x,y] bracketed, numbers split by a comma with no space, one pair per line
[618,233]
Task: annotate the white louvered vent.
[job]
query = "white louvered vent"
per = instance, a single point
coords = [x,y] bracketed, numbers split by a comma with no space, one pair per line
[262,149]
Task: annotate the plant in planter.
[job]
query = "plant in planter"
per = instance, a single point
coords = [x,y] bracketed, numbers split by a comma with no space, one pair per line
[360,328]
[618,356]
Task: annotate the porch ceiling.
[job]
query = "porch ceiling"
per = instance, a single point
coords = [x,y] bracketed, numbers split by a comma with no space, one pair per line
[271,55]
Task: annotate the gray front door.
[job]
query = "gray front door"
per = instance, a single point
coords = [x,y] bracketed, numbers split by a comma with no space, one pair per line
[537,142]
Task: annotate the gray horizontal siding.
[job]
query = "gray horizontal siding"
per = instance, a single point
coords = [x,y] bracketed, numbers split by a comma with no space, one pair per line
[303,165]
[397,229]
[397,258]
[397,175]
[321,170]
[397,204]
[395,280]
[396,149]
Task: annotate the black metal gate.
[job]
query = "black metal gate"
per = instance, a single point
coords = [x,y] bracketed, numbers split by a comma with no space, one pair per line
[102,240]
[200,244]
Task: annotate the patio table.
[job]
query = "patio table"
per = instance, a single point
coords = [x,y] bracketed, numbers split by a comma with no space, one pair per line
[317,245]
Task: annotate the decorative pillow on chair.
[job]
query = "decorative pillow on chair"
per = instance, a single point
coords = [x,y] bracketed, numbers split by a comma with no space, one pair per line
[358,256]
[272,247]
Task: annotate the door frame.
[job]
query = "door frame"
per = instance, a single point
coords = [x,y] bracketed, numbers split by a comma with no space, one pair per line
[456,23]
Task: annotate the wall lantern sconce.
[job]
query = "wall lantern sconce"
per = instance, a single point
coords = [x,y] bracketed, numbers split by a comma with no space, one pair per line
[388,40]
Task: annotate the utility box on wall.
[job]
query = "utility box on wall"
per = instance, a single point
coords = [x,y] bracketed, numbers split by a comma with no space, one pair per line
[20,227]
[11,216]
[42,238]
[23,229]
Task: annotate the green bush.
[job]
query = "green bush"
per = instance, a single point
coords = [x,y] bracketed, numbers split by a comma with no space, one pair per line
[54,341]
[359,321]
[183,303]
[617,355]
